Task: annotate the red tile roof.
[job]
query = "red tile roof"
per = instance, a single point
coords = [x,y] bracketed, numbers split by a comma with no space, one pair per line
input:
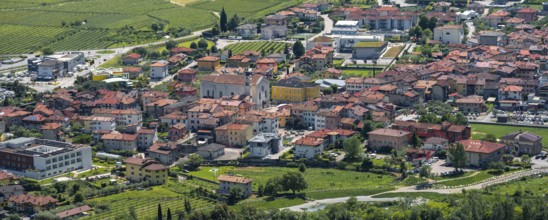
[389,132]
[74,211]
[134,56]
[209,59]
[309,141]
[478,146]
[34,200]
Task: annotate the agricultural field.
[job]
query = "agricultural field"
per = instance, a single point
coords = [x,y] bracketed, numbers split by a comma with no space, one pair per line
[170,196]
[480,130]
[247,9]
[359,72]
[91,24]
[322,183]
[267,46]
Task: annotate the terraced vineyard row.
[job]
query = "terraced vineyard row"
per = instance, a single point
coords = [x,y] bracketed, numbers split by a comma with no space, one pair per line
[244,8]
[23,39]
[267,46]
[82,40]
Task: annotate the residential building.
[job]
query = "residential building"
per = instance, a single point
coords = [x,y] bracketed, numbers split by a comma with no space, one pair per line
[441,6]
[51,131]
[449,34]
[211,151]
[436,143]
[209,63]
[480,153]
[219,85]
[444,130]
[121,117]
[315,59]
[233,134]
[142,170]
[308,147]
[186,75]
[276,20]
[273,31]
[527,14]
[102,123]
[304,114]
[75,212]
[265,144]
[7,178]
[159,70]
[267,63]
[177,132]
[132,59]
[471,104]
[497,18]
[31,203]
[247,30]
[523,142]
[227,182]
[145,138]
[49,69]
[7,191]
[510,92]
[41,158]
[368,50]
[491,38]
[345,27]
[294,90]
[386,139]
[165,153]
[118,141]
[385,18]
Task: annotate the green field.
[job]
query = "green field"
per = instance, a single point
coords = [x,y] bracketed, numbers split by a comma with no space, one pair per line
[324,180]
[479,130]
[145,202]
[268,47]
[531,186]
[359,72]
[30,25]
[247,9]
[393,52]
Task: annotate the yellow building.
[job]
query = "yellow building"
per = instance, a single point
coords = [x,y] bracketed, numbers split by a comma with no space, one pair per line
[294,90]
[209,63]
[139,169]
[233,134]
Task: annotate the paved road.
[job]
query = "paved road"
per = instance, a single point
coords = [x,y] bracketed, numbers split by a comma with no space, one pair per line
[327,27]
[493,181]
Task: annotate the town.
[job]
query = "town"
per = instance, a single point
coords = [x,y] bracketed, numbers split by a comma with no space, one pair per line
[350,109]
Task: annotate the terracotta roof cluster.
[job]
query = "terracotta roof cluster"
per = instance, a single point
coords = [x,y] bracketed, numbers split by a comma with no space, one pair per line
[33,200]
[120,137]
[309,141]
[7,175]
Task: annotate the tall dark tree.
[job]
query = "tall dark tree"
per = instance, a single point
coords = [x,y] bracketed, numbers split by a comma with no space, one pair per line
[168,217]
[432,23]
[298,49]
[457,155]
[223,21]
[188,207]
[423,22]
[233,23]
[160,212]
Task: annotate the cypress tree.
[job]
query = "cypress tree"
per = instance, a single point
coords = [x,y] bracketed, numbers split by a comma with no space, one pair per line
[223,20]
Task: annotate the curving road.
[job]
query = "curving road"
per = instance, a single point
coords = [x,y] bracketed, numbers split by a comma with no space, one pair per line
[412,189]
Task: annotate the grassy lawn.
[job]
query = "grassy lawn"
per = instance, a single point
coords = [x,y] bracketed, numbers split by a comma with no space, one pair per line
[359,72]
[271,202]
[393,52]
[318,179]
[115,62]
[101,170]
[145,202]
[482,175]
[531,186]
[479,130]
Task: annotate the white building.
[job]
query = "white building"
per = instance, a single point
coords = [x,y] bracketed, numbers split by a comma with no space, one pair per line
[467,15]
[436,143]
[449,34]
[122,117]
[344,43]
[319,121]
[345,27]
[308,147]
[510,92]
[264,144]
[41,158]
[227,182]
[159,70]
[100,123]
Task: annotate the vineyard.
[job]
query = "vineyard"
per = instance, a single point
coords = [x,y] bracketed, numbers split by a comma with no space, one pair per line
[145,203]
[268,47]
[246,8]
[29,25]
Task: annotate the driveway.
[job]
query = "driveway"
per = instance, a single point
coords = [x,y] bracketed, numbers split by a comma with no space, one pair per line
[231,154]
[327,27]
[440,167]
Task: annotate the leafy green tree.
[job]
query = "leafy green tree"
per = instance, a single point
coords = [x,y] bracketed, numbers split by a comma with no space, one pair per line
[260,190]
[215,30]
[298,49]
[273,186]
[202,44]
[403,169]
[425,171]
[490,138]
[82,139]
[426,35]
[47,51]
[367,164]
[302,167]
[78,197]
[327,91]
[223,21]
[525,159]
[423,22]
[194,161]
[457,155]
[432,23]
[415,140]
[193,45]
[140,50]
[235,194]
[334,88]
[170,44]
[233,23]
[353,147]
[294,181]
